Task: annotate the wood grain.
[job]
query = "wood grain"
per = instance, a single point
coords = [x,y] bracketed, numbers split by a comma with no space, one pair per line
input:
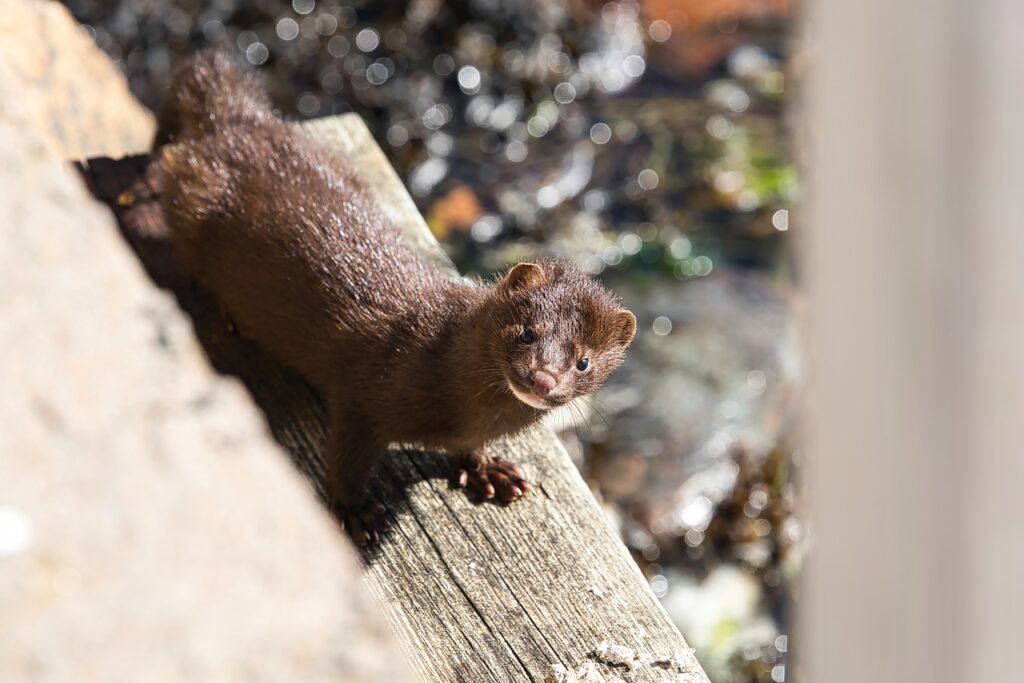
[475,592]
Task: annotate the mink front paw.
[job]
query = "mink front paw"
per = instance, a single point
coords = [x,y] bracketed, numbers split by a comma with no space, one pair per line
[488,478]
[364,523]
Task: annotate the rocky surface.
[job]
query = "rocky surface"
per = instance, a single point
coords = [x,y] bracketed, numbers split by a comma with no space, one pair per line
[691,444]
[149,527]
[715,368]
[63,87]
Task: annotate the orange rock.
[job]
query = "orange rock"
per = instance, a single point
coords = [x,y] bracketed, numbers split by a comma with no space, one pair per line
[456,211]
[693,16]
[704,31]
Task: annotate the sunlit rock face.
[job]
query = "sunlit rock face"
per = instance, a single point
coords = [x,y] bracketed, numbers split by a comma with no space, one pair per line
[59,85]
[149,527]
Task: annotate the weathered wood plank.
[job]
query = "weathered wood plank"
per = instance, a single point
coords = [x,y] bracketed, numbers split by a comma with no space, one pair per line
[475,592]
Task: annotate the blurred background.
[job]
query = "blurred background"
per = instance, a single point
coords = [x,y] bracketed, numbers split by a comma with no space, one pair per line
[646,141]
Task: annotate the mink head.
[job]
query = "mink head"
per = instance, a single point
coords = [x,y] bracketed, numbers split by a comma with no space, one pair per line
[558,334]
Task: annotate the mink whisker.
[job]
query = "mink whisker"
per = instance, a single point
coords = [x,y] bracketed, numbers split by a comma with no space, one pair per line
[583,417]
[587,399]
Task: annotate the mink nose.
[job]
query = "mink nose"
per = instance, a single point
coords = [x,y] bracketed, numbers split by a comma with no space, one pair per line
[543,382]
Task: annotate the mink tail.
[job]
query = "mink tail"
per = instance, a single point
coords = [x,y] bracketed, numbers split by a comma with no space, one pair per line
[210,90]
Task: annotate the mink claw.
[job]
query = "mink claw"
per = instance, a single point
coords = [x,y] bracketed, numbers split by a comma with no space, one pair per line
[481,487]
[364,524]
[496,479]
[380,516]
[506,488]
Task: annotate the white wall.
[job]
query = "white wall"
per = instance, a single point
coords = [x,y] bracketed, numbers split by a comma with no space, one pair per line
[915,254]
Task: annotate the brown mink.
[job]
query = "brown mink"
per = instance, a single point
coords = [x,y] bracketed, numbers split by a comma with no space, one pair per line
[292,245]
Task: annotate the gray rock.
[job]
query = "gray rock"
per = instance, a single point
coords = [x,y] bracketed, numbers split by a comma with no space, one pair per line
[56,82]
[149,527]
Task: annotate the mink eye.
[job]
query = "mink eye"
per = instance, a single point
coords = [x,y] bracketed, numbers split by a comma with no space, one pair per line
[582,364]
[527,336]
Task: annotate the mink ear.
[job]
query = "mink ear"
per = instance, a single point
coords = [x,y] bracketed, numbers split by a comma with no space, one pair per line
[521,277]
[623,327]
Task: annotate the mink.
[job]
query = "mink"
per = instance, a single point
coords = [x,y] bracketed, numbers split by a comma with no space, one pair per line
[307,266]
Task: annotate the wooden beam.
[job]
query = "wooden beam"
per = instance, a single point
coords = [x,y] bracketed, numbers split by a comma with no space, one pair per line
[475,592]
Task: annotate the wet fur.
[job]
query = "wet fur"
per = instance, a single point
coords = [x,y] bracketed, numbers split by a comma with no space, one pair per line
[307,266]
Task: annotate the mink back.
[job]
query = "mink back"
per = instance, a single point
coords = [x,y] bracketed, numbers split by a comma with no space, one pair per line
[298,254]
[281,230]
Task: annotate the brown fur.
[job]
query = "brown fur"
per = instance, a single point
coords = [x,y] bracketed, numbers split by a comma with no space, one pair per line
[296,251]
